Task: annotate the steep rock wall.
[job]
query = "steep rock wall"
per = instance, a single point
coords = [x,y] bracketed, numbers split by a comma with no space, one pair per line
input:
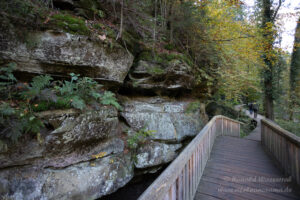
[85,155]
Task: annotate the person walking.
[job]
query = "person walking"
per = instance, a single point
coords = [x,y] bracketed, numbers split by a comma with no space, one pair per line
[250,105]
[255,109]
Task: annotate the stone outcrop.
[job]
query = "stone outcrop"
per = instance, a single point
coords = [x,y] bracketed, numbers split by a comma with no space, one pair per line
[82,158]
[174,75]
[86,180]
[165,116]
[155,153]
[85,128]
[59,53]
[84,155]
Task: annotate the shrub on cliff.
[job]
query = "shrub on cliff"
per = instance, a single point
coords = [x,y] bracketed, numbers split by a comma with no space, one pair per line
[20,101]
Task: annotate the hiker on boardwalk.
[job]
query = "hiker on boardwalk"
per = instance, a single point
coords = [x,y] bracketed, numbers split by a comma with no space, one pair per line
[255,109]
[250,105]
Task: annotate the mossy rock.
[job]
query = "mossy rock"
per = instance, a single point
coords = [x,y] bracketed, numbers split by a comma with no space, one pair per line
[164,58]
[70,23]
[24,13]
[156,70]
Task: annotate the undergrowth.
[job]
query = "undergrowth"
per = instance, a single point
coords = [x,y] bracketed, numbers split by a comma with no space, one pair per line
[139,137]
[19,101]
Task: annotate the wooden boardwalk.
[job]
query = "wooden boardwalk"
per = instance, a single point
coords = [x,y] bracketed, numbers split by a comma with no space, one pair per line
[240,169]
[218,164]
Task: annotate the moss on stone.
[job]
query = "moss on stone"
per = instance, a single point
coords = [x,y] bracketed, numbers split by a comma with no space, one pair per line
[156,70]
[31,40]
[193,107]
[71,24]
[164,58]
[146,55]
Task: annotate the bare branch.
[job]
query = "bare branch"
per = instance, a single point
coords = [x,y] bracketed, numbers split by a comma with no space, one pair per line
[276,11]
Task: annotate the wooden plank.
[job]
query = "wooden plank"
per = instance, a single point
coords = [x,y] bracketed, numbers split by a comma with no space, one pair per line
[201,196]
[243,188]
[173,192]
[179,188]
[186,183]
[225,164]
[183,184]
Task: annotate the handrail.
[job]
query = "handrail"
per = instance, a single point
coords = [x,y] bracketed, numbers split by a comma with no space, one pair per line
[288,135]
[181,178]
[283,146]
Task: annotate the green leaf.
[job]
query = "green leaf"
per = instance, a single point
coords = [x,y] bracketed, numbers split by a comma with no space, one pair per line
[6,110]
[78,103]
[109,98]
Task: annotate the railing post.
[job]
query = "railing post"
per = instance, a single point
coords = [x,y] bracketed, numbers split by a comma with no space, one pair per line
[222,126]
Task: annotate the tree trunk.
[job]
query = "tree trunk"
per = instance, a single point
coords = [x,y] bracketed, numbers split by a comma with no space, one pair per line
[154,29]
[295,73]
[268,71]
[121,21]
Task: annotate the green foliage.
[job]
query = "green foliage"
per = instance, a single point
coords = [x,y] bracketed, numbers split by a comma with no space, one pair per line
[40,95]
[99,26]
[109,98]
[78,102]
[79,91]
[170,46]
[16,122]
[71,24]
[156,70]
[7,78]
[248,124]
[31,124]
[193,107]
[36,87]
[100,13]
[136,138]
[3,146]
[24,9]
[5,111]
[7,73]
[60,103]
[82,91]
[289,125]
[164,58]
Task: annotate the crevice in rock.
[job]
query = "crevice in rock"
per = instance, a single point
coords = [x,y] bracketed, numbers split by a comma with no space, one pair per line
[123,120]
[15,166]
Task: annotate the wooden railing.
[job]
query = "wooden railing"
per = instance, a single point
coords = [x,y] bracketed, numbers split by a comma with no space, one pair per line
[181,178]
[283,146]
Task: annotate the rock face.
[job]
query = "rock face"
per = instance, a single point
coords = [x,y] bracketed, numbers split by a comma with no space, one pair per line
[85,128]
[154,153]
[84,155]
[82,158]
[174,75]
[87,180]
[59,53]
[167,117]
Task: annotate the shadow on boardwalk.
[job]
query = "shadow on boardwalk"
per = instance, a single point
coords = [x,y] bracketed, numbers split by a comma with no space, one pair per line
[240,169]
